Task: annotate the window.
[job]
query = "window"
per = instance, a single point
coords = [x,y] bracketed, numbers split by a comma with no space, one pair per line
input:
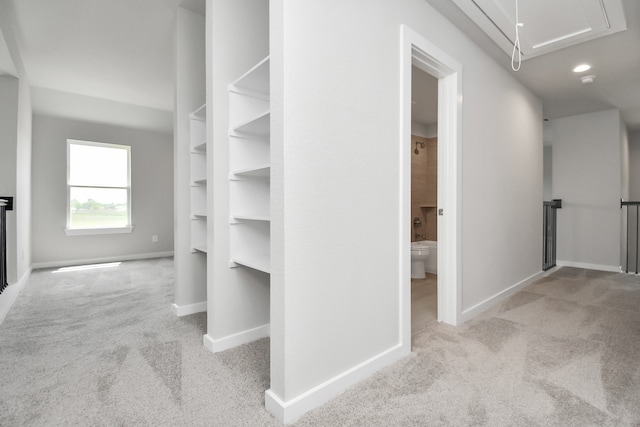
[98,188]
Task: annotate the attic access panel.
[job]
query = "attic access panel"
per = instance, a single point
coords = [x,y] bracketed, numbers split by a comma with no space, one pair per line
[549,25]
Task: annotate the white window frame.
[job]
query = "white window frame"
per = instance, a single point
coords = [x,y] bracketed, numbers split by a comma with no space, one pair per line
[76,231]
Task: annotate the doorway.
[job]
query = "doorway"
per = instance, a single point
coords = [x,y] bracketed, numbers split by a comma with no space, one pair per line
[420,52]
[424,198]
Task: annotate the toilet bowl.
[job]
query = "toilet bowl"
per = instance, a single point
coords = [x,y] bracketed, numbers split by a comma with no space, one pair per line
[419,253]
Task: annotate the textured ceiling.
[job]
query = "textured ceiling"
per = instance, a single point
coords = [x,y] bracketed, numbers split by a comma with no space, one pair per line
[615,60]
[118,50]
[122,51]
[424,98]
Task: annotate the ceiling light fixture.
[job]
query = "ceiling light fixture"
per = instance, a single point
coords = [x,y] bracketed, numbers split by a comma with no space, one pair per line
[581,68]
[587,79]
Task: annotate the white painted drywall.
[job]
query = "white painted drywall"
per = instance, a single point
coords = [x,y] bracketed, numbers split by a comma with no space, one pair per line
[624,164]
[624,193]
[151,192]
[15,172]
[237,38]
[55,103]
[587,176]
[548,173]
[190,268]
[23,202]
[6,63]
[9,90]
[15,147]
[634,165]
[336,182]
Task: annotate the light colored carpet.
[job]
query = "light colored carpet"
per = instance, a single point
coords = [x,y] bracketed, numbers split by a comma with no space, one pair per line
[102,348]
[424,302]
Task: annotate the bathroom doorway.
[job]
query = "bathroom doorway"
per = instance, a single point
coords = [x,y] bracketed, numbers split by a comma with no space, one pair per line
[424,198]
[428,57]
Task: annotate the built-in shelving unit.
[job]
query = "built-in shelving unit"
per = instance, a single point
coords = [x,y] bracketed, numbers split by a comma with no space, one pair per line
[250,169]
[198,178]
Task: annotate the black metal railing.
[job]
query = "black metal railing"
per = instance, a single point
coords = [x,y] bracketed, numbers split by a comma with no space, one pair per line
[549,210]
[633,227]
[4,205]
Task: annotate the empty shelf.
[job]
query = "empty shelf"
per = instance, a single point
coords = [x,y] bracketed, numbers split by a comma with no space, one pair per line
[256,79]
[200,147]
[259,171]
[200,113]
[259,125]
[260,263]
[250,218]
[200,248]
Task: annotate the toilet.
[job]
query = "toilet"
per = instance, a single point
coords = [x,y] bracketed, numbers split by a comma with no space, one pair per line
[419,253]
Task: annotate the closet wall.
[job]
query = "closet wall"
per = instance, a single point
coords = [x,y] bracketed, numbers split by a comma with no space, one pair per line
[238,296]
[190,265]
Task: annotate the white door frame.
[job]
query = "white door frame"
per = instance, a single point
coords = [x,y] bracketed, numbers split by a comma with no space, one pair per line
[416,50]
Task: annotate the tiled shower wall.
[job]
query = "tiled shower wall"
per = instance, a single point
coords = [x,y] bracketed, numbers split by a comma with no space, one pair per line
[424,188]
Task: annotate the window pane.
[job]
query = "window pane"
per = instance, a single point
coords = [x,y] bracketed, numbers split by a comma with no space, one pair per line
[98,207]
[99,166]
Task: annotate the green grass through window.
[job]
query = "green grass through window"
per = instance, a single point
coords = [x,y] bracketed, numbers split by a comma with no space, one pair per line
[98,219]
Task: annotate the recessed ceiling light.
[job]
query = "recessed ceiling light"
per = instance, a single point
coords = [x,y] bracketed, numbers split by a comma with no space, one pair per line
[587,79]
[581,68]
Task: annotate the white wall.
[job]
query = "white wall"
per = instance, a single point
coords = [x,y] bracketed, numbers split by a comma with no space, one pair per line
[15,150]
[548,173]
[23,182]
[587,176]
[190,268]
[151,193]
[66,105]
[336,183]
[624,161]
[629,248]
[634,165]
[9,92]
[237,38]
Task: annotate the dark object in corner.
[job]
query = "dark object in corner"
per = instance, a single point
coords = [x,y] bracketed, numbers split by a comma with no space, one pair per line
[7,205]
[9,202]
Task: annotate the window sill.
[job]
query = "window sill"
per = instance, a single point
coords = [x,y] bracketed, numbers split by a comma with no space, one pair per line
[96,231]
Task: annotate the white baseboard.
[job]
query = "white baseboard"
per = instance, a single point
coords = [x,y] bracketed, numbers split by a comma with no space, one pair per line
[600,267]
[10,294]
[472,312]
[231,341]
[289,411]
[67,263]
[185,310]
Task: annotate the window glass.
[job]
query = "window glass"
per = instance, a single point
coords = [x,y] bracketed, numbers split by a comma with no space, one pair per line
[99,188]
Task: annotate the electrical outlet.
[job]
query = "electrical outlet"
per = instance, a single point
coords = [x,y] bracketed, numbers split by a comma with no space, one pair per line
[154,238]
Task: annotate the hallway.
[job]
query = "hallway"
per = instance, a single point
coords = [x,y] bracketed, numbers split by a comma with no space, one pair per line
[101,347]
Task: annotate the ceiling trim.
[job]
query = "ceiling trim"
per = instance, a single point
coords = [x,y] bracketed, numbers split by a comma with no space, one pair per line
[549,25]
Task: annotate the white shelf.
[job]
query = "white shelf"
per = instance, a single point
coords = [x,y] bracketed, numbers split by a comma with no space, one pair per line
[198,176]
[263,171]
[199,147]
[250,169]
[248,152]
[200,248]
[236,218]
[257,125]
[199,113]
[197,134]
[255,80]
[260,263]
